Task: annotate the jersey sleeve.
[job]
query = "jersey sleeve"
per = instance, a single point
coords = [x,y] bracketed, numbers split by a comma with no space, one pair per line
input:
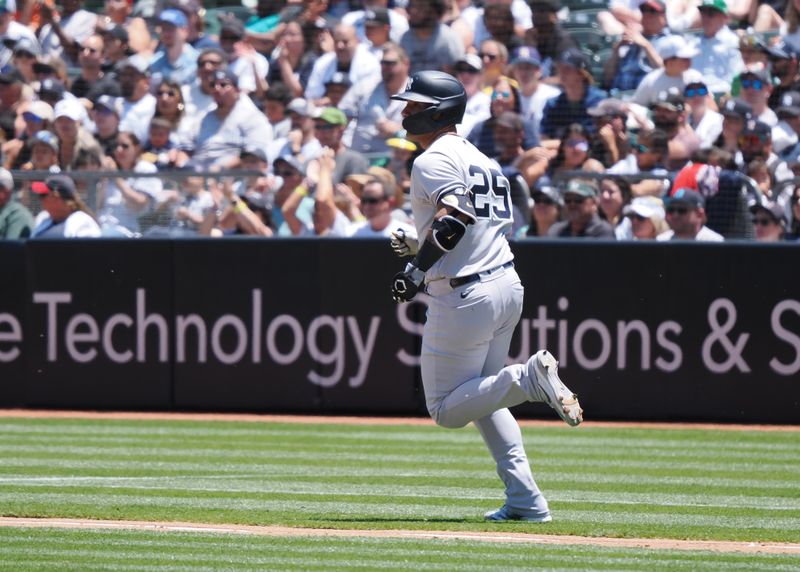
[444,182]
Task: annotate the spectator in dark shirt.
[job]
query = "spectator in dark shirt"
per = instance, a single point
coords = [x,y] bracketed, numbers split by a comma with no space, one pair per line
[783,60]
[106,114]
[580,213]
[38,116]
[93,80]
[329,125]
[734,115]
[635,55]
[505,97]
[612,141]
[793,228]
[769,222]
[551,40]
[789,127]
[571,106]
[16,221]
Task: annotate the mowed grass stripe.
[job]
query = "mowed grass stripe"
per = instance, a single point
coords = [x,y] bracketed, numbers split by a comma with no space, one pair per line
[582,439]
[314,488]
[679,465]
[269,450]
[32,549]
[734,444]
[338,474]
[629,481]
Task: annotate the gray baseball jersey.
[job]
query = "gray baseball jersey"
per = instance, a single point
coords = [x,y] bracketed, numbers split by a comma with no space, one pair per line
[454,166]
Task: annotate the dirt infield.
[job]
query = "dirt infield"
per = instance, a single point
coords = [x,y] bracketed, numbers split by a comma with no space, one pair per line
[271,418]
[512,537]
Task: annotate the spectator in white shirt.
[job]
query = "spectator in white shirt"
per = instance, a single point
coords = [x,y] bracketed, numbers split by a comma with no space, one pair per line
[64,215]
[677,73]
[707,124]
[756,89]
[718,57]
[348,56]
[236,123]
[686,217]
[139,105]
[377,203]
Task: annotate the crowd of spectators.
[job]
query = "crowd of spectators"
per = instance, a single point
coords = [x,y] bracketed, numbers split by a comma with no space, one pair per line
[623,119]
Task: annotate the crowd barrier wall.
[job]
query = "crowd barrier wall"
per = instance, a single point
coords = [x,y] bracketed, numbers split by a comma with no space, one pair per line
[643,331]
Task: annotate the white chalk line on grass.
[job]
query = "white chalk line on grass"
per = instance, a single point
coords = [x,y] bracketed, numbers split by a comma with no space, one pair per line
[509,537]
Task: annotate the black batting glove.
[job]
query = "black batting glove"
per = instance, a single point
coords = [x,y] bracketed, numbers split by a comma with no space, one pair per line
[406,284]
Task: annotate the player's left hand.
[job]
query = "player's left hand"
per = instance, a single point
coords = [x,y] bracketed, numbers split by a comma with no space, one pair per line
[406,284]
[404,244]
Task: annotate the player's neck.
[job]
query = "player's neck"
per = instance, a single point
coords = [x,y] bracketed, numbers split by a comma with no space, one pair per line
[425,140]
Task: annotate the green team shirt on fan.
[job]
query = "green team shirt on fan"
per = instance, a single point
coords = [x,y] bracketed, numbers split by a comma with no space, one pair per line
[15,221]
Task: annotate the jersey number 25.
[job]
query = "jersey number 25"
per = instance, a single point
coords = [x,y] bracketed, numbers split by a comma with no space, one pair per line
[490,193]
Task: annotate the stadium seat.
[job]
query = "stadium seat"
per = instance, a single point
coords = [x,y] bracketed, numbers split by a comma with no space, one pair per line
[591,39]
[211,20]
[584,5]
[584,19]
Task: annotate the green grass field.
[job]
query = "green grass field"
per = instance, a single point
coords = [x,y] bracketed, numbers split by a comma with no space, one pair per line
[614,482]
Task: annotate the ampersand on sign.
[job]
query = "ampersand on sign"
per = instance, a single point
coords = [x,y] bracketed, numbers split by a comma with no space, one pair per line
[719,335]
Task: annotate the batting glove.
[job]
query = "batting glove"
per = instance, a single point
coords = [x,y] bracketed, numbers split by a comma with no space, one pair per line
[404,244]
[406,284]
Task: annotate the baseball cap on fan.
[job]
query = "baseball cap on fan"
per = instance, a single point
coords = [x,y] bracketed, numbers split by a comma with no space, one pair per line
[111,103]
[332,115]
[688,197]
[40,109]
[672,99]
[573,57]
[468,63]
[60,184]
[227,74]
[339,78]
[301,107]
[773,209]
[526,55]
[174,17]
[45,138]
[675,47]
[376,16]
[6,180]
[71,108]
[736,108]
[291,161]
[546,195]
[648,207]
[789,105]
[713,6]
[584,189]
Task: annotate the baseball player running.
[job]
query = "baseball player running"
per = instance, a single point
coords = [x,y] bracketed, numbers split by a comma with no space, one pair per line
[462,209]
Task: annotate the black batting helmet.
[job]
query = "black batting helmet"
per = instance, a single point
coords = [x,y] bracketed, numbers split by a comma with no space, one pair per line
[444,93]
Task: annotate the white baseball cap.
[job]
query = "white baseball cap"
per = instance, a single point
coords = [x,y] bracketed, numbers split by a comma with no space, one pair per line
[6,180]
[41,109]
[675,46]
[71,108]
[648,207]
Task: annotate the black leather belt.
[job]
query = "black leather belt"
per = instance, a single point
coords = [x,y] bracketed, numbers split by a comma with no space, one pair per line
[462,280]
